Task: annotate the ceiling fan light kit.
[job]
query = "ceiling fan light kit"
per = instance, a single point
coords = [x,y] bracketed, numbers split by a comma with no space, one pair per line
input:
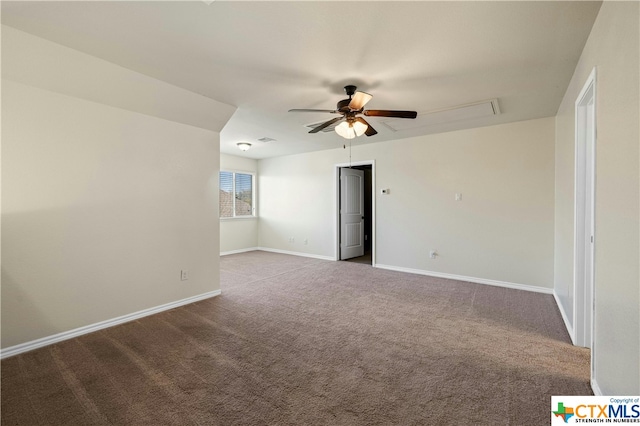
[244,146]
[351,124]
[351,129]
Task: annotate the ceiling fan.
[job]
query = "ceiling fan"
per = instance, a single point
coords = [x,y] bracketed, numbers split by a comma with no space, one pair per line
[352,124]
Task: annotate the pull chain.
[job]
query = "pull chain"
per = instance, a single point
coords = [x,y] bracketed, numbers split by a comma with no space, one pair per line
[344,146]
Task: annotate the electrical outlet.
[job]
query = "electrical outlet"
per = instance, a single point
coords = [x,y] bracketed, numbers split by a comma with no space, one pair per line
[184,275]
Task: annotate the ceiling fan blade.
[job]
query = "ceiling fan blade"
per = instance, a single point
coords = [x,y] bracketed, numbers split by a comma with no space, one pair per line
[370,130]
[333,111]
[325,124]
[387,113]
[359,100]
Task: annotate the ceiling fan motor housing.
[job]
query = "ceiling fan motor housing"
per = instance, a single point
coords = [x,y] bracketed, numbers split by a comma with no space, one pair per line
[343,105]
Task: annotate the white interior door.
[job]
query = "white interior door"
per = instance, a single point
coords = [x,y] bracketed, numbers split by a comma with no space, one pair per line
[351,213]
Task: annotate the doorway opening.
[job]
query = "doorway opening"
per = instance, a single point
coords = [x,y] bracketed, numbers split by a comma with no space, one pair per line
[355,212]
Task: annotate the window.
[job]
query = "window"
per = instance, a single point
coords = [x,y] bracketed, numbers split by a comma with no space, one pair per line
[236,195]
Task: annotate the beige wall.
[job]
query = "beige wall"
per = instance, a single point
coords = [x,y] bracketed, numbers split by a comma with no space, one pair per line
[502,230]
[102,207]
[613,49]
[238,234]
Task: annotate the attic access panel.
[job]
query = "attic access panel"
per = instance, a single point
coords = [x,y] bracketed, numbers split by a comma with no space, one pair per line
[449,115]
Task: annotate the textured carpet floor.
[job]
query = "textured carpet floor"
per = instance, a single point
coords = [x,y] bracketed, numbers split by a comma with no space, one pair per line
[296,341]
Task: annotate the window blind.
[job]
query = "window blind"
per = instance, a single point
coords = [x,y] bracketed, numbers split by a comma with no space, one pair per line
[236,194]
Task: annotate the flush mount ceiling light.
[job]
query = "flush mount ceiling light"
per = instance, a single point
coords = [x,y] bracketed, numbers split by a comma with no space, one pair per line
[244,146]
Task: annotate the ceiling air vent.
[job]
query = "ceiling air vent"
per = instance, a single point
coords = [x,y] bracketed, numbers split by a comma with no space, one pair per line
[448,115]
[266,139]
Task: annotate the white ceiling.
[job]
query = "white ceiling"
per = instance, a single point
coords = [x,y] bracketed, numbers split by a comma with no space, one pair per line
[268,57]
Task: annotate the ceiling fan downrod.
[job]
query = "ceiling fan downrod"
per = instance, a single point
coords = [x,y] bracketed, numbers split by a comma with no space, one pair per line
[343,105]
[350,90]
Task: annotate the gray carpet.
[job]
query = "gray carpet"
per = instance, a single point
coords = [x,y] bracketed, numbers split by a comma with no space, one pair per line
[297,341]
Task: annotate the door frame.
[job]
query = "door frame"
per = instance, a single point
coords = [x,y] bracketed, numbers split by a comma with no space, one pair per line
[336,207]
[584,247]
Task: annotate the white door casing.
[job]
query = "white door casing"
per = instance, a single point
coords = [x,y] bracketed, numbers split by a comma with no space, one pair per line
[351,213]
[584,245]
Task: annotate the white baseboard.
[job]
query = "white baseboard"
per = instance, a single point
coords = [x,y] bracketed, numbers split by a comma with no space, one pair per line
[467,279]
[66,335]
[565,318]
[595,388]
[244,250]
[297,253]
